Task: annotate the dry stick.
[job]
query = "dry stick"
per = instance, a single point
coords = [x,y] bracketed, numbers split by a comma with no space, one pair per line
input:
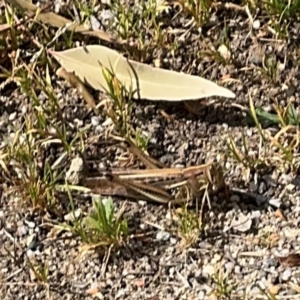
[149,162]
[76,83]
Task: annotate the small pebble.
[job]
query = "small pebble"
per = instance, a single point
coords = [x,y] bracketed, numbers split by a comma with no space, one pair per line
[270,262]
[208,270]
[286,275]
[234,198]
[173,241]
[95,121]
[229,267]
[30,253]
[78,123]
[255,214]
[73,215]
[224,52]
[256,24]
[30,224]
[12,116]
[162,236]
[142,202]
[22,230]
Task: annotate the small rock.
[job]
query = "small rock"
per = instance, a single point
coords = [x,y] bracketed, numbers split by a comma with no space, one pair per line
[95,24]
[47,251]
[78,123]
[208,270]
[255,214]
[224,52]
[73,215]
[95,121]
[216,258]
[71,270]
[162,236]
[169,215]
[237,269]
[30,253]
[280,66]
[143,226]
[249,132]
[12,116]
[255,291]
[286,275]
[241,223]
[229,267]
[256,24]
[24,109]
[270,262]
[173,241]
[106,15]
[99,129]
[76,170]
[142,202]
[30,224]
[202,295]
[234,198]
[120,294]
[290,187]
[225,126]
[171,272]
[52,131]
[275,202]
[22,230]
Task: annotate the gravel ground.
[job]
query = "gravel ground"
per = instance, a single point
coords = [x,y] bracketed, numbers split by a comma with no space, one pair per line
[242,236]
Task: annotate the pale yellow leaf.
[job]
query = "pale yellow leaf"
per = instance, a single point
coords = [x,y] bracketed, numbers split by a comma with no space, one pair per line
[153,83]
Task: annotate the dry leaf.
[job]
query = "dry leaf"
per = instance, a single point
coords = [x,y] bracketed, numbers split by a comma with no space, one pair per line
[152,83]
[58,21]
[292,260]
